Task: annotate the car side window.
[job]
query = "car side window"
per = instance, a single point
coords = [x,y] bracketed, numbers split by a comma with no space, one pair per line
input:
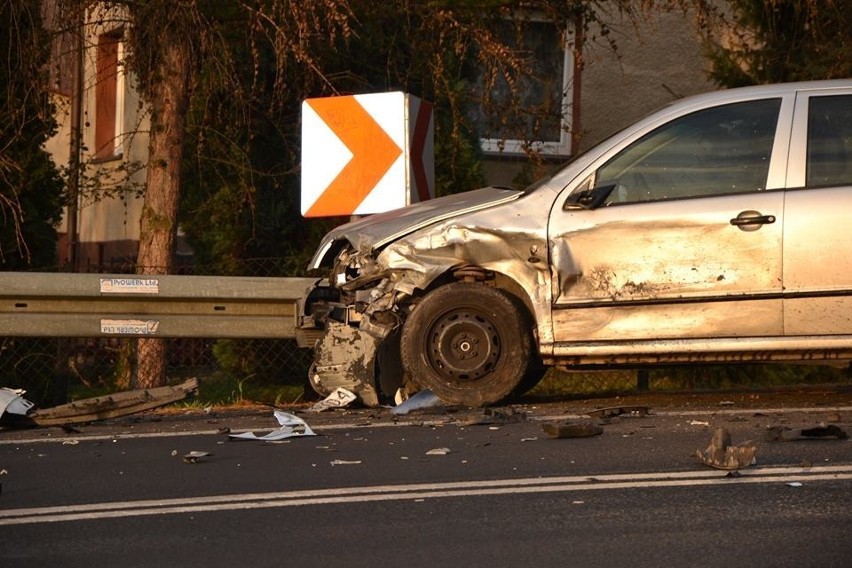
[829,141]
[720,150]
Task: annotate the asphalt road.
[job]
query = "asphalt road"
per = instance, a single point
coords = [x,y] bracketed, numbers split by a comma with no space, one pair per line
[444,488]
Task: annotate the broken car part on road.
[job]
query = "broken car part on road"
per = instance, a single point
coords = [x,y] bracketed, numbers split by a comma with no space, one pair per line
[20,413]
[689,237]
[720,454]
[340,398]
[572,429]
[291,426]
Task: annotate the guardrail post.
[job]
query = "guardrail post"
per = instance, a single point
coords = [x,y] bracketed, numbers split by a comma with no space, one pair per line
[643,377]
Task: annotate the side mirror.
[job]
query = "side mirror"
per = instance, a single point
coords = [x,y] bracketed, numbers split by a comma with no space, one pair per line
[589,198]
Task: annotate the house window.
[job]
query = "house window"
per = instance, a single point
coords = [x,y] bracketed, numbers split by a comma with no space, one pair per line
[109,100]
[542,120]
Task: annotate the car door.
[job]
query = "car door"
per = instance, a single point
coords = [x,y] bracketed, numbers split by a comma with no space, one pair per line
[817,245]
[679,234]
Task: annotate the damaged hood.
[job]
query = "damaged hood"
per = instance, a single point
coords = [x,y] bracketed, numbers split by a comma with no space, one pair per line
[375,231]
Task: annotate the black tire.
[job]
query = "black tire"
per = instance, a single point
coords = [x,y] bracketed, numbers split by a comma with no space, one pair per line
[535,373]
[469,343]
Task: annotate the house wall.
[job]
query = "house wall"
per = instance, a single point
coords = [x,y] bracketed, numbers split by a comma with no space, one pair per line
[657,60]
[656,63]
[109,207]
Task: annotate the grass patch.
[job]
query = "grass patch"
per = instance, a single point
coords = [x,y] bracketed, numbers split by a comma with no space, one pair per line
[229,391]
[562,382]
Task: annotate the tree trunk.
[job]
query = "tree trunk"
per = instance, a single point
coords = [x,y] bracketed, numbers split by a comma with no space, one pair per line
[169,98]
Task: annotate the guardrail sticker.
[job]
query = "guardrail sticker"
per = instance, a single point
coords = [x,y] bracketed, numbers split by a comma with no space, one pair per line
[130,286]
[129,327]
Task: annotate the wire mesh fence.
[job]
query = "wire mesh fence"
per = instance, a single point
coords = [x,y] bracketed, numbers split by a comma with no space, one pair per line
[275,371]
[51,369]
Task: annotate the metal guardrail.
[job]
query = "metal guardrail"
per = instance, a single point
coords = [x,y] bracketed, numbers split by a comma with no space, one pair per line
[99,305]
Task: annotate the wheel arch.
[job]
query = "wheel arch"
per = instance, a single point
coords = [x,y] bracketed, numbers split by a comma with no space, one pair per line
[486,276]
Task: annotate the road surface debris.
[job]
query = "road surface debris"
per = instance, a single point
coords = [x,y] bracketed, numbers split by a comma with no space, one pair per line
[492,416]
[17,412]
[339,398]
[195,456]
[418,401]
[720,454]
[787,434]
[613,411]
[572,429]
[291,427]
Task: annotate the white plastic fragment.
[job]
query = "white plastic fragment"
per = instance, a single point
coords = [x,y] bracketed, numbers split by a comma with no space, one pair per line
[420,400]
[291,426]
[793,484]
[438,452]
[340,398]
[344,462]
[195,456]
[13,402]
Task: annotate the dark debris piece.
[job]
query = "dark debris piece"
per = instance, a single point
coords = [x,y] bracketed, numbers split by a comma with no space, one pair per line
[572,429]
[786,434]
[614,411]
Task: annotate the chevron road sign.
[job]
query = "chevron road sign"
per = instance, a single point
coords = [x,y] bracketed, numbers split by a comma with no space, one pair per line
[364,154]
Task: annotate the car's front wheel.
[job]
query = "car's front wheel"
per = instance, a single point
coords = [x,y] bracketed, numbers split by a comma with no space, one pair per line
[469,343]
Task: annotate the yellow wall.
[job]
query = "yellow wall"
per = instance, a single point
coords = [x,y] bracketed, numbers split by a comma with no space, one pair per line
[109,210]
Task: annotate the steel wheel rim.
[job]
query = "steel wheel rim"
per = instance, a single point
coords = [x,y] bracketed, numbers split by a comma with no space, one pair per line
[463,345]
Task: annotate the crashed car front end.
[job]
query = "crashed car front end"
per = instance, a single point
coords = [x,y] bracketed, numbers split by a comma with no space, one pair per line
[381,266]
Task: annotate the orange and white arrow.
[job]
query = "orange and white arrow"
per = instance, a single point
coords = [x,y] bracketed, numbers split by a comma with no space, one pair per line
[351,152]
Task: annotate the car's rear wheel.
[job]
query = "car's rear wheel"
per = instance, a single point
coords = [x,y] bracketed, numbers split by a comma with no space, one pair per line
[469,343]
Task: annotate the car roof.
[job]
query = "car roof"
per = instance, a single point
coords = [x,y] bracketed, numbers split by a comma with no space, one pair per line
[757,91]
[684,106]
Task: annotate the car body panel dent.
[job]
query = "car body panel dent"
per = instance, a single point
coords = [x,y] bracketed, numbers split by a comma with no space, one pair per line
[681,249]
[509,239]
[371,233]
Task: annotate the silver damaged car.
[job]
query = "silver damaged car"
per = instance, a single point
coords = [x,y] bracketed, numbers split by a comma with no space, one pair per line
[712,231]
